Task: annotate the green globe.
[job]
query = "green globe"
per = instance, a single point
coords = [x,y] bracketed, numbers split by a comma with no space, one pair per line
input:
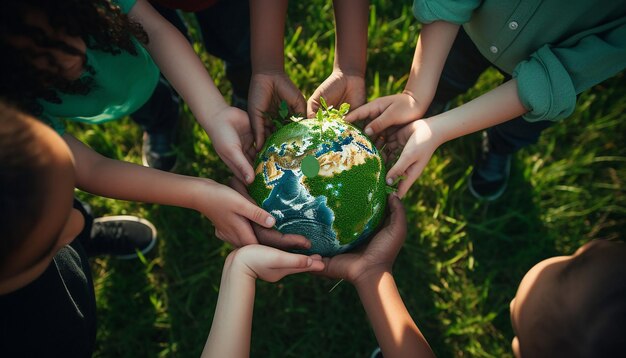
[322,178]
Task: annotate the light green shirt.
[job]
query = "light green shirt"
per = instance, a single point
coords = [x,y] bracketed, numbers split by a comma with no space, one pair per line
[122,83]
[555,49]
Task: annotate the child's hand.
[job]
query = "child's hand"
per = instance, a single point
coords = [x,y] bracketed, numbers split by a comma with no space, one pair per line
[231,214]
[379,254]
[338,88]
[417,141]
[271,237]
[397,109]
[231,135]
[270,264]
[266,92]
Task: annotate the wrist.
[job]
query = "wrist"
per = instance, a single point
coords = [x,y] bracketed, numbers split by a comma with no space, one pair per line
[370,275]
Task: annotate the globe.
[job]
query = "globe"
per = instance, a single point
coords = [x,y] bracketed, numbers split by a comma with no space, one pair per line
[322,178]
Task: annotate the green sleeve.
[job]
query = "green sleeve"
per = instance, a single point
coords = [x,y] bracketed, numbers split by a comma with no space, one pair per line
[454,11]
[550,79]
[125,5]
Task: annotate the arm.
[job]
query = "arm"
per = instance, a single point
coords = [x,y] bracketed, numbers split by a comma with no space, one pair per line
[347,81]
[418,140]
[232,322]
[432,48]
[370,272]
[228,210]
[227,126]
[269,84]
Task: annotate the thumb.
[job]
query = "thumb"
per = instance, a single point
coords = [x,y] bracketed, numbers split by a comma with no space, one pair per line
[397,219]
[243,167]
[258,129]
[399,168]
[256,214]
[366,111]
[312,105]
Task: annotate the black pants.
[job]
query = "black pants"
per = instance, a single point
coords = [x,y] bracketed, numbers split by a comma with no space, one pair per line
[225,30]
[463,67]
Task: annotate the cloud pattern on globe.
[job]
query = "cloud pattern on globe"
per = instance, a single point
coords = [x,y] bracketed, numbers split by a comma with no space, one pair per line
[336,205]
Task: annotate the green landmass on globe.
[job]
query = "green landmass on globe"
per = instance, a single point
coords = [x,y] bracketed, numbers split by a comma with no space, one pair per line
[324,179]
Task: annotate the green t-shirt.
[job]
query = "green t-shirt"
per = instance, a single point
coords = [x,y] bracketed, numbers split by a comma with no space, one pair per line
[122,83]
[555,49]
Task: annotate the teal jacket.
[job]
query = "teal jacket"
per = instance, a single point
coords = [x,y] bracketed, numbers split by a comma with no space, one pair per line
[123,83]
[555,49]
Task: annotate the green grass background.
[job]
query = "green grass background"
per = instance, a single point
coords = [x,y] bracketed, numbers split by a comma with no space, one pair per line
[462,260]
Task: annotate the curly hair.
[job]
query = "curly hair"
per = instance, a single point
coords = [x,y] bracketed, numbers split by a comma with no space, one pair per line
[99,23]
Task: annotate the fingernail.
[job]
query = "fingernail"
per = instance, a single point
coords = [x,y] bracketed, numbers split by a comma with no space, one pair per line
[247,178]
[270,221]
[389,181]
[309,261]
[369,131]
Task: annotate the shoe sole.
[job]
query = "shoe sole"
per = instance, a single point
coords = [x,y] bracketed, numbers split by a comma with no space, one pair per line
[136,219]
[495,196]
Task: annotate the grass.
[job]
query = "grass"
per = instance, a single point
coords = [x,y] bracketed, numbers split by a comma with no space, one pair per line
[462,260]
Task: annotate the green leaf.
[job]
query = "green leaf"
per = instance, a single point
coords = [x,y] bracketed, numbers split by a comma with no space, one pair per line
[344,109]
[283,110]
[323,103]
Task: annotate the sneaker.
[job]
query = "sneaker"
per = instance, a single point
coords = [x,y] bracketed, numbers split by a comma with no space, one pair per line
[491,173]
[376,353]
[157,151]
[121,237]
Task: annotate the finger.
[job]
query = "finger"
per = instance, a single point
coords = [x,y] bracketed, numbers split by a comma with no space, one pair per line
[241,166]
[279,240]
[240,187]
[312,105]
[397,216]
[412,173]
[245,234]
[366,111]
[399,168]
[258,129]
[386,119]
[255,213]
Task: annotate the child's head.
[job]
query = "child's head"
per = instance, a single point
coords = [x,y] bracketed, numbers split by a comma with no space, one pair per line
[36,198]
[573,306]
[43,45]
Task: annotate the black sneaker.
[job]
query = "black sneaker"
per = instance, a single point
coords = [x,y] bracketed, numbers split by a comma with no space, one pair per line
[157,151]
[491,173]
[121,237]
[376,353]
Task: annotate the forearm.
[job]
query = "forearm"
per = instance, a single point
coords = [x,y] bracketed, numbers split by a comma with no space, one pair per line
[115,179]
[351,18]
[232,323]
[492,108]
[431,51]
[267,25]
[395,330]
[179,63]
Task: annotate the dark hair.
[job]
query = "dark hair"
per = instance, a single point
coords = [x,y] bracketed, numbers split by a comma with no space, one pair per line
[22,182]
[593,324]
[99,23]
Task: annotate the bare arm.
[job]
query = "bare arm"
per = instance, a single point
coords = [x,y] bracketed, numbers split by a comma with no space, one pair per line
[179,63]
[347,81]
[232,322]
[228,210]
[269,84]
[431,51]
[396,332]
[418,140]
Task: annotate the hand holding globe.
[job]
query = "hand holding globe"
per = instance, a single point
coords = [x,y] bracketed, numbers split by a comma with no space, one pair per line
[324,179]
